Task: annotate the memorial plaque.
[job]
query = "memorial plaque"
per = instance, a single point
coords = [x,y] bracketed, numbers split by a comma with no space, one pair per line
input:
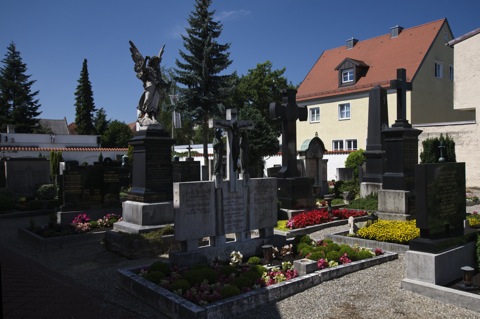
[440,199]
[234,209]
[25,176]
[111,185]
[263,206]
[194,205]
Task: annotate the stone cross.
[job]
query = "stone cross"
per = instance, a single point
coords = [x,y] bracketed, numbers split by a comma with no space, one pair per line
[402,86]
[288,111]
[233,126]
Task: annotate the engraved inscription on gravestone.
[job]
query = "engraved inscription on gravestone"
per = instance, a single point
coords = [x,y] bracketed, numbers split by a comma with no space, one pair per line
[264,203]
[194,207]
[234,210]
[440,199]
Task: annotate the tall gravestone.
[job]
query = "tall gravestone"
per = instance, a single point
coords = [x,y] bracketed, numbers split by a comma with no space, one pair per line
[444,245]
[316,166]
[293,191]
[396,199]
[149,201]
[375,151]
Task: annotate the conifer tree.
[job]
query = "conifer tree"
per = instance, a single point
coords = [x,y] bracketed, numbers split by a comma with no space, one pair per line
[100,121]
[18,105]
[84,104]
[203,61]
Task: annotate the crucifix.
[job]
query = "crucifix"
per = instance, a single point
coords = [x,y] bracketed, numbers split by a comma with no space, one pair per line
[402,86]
[288,111]
[233,126]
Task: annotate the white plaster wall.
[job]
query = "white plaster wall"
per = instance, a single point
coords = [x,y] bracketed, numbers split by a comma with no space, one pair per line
[467,73]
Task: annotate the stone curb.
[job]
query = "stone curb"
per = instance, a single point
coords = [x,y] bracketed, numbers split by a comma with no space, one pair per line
[366,243]
[60,241]
[311,229]
[176,307]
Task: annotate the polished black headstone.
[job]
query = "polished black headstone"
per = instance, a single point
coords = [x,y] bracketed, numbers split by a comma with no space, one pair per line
[377,121]
[152,179]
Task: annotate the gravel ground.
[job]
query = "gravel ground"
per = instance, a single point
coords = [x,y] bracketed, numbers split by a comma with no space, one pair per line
[370,293]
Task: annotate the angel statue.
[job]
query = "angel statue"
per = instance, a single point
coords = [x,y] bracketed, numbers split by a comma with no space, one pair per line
[155,87]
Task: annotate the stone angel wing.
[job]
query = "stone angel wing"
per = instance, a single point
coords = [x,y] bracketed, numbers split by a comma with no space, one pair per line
[137,57]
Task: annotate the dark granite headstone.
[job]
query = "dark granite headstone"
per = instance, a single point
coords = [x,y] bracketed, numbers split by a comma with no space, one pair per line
[377,121]
[401,142]
[3,180]
[440,207]
[289,112]
[440,199]
[152,177]
[186,171]
[293,191]
[25,175]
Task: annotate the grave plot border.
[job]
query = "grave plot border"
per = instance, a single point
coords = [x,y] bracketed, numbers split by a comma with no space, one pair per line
[342,238]
[175,306]
[311,229]
[43,243]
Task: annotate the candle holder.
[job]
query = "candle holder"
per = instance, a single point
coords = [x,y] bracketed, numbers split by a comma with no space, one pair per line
[267,253]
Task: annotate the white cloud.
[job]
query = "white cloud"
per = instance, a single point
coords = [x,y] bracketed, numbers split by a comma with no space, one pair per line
[231,15]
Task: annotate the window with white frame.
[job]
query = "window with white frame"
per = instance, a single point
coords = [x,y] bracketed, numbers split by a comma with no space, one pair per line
[351,145]
[347,76]
[314,114]
[344,111]
[450,73]
[438,70]
[337,145]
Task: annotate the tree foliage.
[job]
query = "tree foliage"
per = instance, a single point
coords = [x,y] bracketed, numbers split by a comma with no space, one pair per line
[204,59]
[18,104]
[354,160]
[84,104]
[260,87]
[100,121]
[431,150]
[117,135]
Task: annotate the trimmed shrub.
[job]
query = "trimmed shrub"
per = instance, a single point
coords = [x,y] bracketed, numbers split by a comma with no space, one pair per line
[431,150]
[354,160]
[161,266]
[243,282]
[180,285]
[154,276]
[47,192]
[229,291]
[254,260]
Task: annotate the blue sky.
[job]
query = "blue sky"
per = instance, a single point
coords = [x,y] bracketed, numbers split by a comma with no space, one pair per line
[54,36]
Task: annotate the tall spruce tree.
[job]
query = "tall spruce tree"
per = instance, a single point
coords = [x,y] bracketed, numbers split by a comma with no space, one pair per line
[204,60]
[18,105]
[84,105]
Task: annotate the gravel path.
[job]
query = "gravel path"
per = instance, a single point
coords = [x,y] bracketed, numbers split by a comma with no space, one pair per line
[370,293]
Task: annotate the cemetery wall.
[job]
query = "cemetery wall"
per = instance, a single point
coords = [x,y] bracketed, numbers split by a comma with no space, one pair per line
[89,156]
[467,141]
[47,140]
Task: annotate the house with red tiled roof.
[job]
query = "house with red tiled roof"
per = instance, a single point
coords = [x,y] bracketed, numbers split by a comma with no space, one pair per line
[336,88]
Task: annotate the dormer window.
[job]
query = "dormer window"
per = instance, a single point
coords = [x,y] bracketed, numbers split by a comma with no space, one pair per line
[350,71]
[347,76]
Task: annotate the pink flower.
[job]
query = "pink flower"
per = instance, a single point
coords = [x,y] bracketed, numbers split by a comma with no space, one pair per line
[344,259]
[322,263]
[379,252]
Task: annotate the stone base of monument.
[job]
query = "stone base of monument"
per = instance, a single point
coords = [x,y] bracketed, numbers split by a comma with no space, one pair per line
[368,188]
[206,254]
[395,204]
[295,192]
[441,268]
[139,217]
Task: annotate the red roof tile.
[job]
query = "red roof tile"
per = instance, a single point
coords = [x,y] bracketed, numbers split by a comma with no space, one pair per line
[383,54]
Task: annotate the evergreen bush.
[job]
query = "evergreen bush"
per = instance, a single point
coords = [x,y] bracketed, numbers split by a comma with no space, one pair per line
[431,150]
[47,192]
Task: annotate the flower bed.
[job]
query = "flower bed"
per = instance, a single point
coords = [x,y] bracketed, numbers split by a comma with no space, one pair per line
[55,235]
[393,231]
[474,219]
[174,306]
[321,216]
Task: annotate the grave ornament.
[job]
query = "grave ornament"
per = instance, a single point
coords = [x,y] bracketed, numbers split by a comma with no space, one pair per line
[155,87]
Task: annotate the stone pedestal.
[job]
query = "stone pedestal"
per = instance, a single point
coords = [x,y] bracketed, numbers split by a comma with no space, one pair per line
[368,188]
[401,148]
[152,177]
[295,192]
[395,204]
[140,217]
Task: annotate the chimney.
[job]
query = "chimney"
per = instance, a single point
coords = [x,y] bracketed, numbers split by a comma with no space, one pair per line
[395,31]
[351,43]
